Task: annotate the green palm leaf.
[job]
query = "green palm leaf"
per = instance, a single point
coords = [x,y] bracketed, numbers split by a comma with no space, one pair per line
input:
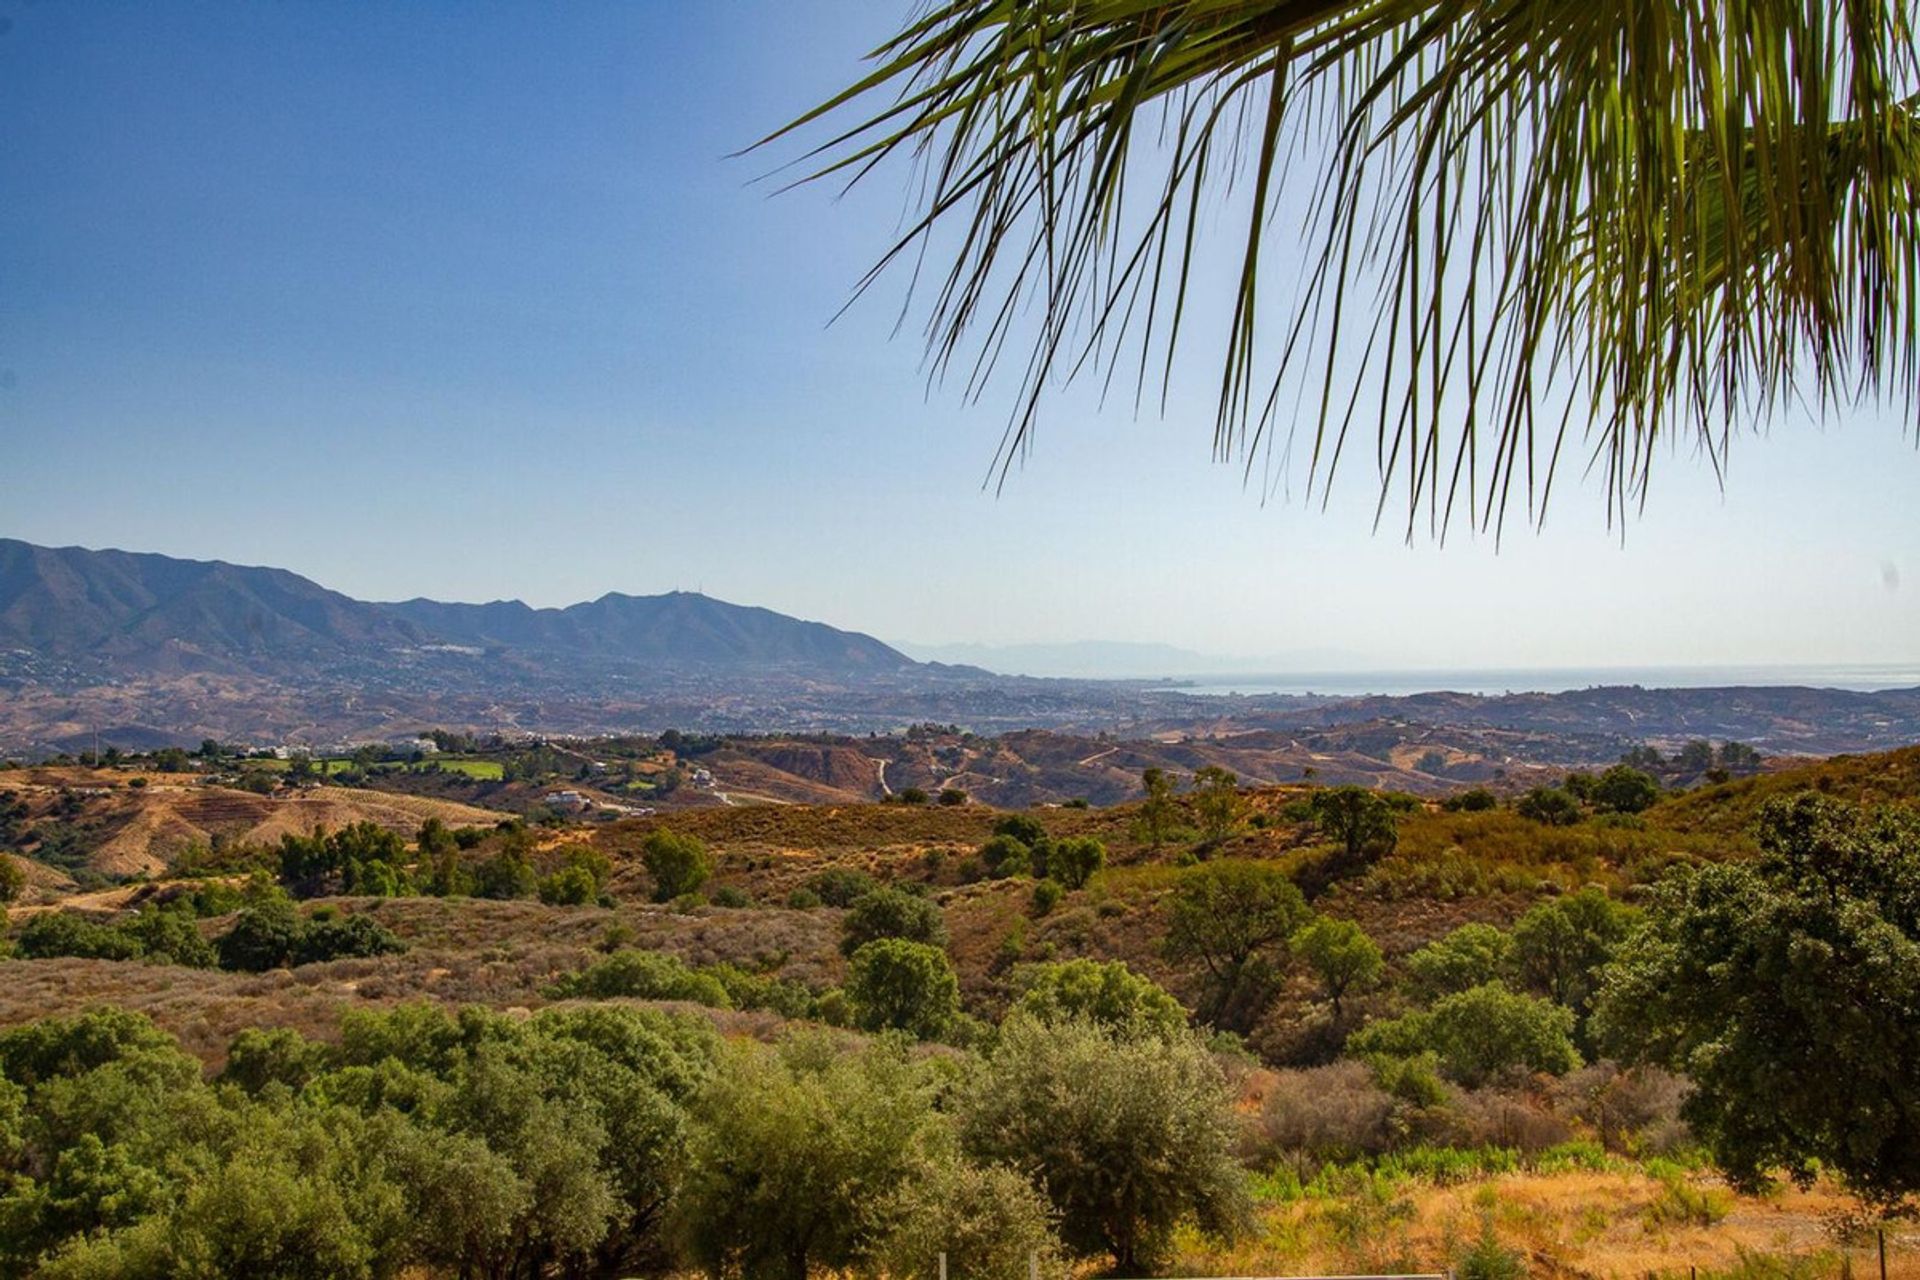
[1527,223]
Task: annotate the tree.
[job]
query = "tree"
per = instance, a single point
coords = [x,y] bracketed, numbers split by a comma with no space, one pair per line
[1531,187]
[897,985]
[678,864]
[1216,803]
[1073,861]
[1359,820]
[1472,800]
[1156,810]
[891,913]
[1140,1144]
[265,935]
[1738,756]
[12,879]
[1479,1035]
[1785,990]
[1105,993]
[800,1157]
[1623,789]
[841,886]
[1233,918]
[1471,955]
[986,1222]
[1552,806]
[1341,955]
[1560,945]
[1694,757]
[1004,856]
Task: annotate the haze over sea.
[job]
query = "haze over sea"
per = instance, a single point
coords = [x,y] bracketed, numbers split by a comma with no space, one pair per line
[1865,677]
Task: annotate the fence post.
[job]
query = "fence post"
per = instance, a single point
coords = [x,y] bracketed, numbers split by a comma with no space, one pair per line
[1033,1264]
[943,1264]
[1882,1233]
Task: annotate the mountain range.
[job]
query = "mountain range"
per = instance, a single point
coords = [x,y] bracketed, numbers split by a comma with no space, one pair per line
[152,614]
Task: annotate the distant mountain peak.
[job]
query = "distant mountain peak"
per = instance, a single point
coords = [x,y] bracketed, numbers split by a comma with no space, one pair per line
[143,611]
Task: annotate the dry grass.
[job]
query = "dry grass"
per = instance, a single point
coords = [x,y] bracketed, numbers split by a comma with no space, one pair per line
[1564,1225]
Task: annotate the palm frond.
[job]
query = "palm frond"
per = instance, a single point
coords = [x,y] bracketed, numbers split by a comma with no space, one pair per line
[1523,220]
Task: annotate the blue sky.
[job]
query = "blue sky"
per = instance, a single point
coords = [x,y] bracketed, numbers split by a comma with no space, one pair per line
[469,301]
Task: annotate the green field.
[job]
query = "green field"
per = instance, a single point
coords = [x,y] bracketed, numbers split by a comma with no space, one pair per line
[483,770]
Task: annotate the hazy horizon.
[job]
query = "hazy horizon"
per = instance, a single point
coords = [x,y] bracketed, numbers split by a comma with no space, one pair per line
[472,304]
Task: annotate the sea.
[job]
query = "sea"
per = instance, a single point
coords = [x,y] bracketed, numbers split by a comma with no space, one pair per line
[1867,677]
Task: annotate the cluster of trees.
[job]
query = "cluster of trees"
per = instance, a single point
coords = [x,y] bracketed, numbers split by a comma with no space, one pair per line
[1622,789]
[1021,846]
[602,1141]
[1481,1001]
[267,932]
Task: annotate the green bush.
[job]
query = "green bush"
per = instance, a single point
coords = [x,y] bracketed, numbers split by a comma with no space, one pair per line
[840,886]
[1479,1035]
[643,975]
[1140,1142]
[1004,856]
[1073,861]
[1046,896]
[1108,994]
[1471,955]
[889,913]
[897,985]
[1552,806]
[678,864]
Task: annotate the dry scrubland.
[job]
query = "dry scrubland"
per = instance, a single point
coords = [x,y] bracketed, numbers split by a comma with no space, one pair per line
[1588,1214]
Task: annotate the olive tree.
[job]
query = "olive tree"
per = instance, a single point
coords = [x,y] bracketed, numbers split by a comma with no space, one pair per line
[1139,1145]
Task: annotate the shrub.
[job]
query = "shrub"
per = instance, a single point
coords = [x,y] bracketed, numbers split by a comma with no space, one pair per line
[799,1158]
[803,899]
[269,934]
[12,879]
[1487,1259]
[643,975]
[569,887]
[952,796]
[62,933]
[330,938]
[1335,1112]
[168,936]
[507,874]
[1046,896]
[1479,1034]
[889,913]
[678,864]
[986,1221]
[1074,860]
[1550,805]
[840,886]
[1471,955]
[732,897]
[1140,1143]
[897,985]
[1624,789]
[1679,1203]
[1004,856]
[1022,827]
[1472,800]
[1107,994]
